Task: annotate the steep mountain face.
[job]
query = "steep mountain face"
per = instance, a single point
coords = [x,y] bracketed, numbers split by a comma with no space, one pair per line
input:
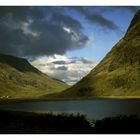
[19,79]
[118,74]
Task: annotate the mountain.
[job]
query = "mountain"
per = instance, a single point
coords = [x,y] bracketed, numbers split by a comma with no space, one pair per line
[19,79]
[118,74]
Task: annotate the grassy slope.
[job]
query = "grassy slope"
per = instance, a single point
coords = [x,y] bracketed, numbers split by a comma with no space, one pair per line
[19,79]
[118,74]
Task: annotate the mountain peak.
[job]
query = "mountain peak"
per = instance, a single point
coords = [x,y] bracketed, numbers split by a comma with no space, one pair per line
[136,18]
[20,64]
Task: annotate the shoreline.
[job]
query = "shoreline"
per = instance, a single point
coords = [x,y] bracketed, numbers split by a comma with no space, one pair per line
[20,100]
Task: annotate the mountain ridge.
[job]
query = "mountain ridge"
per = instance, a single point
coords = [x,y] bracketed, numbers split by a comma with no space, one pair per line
[19,79]
[18,63]
[118,74]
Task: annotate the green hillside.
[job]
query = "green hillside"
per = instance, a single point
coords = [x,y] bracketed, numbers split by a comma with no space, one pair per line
[19,79]
[118,74]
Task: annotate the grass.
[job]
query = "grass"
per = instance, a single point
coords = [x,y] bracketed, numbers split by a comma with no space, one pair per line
[24,83]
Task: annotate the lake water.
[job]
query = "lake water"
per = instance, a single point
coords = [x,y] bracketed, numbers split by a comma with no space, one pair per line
[96,109]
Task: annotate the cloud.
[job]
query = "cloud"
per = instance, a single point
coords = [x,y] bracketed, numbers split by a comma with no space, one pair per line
[37,31]
[59,62]
[96,17]
[69,70]
[132,9]
[40,31]
[95,14]
[63,68]
[86,61]
[67,21]
[104,22]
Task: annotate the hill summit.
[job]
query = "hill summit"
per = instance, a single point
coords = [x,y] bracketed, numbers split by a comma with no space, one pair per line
[19,64]
[118,74]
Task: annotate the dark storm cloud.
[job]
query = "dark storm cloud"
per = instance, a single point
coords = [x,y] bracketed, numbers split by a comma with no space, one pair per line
[96,17]
[80,9]
[98,9]
[36,31]
[99,19]
[67,21]
[94,14]
[132,9]
[18,13]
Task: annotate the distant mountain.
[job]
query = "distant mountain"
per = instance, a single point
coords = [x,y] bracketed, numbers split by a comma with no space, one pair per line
[19,79]
[118,74]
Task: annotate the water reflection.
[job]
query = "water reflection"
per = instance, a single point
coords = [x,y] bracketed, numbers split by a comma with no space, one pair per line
[96,109]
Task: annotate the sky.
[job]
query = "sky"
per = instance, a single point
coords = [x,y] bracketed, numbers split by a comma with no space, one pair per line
[67,42]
